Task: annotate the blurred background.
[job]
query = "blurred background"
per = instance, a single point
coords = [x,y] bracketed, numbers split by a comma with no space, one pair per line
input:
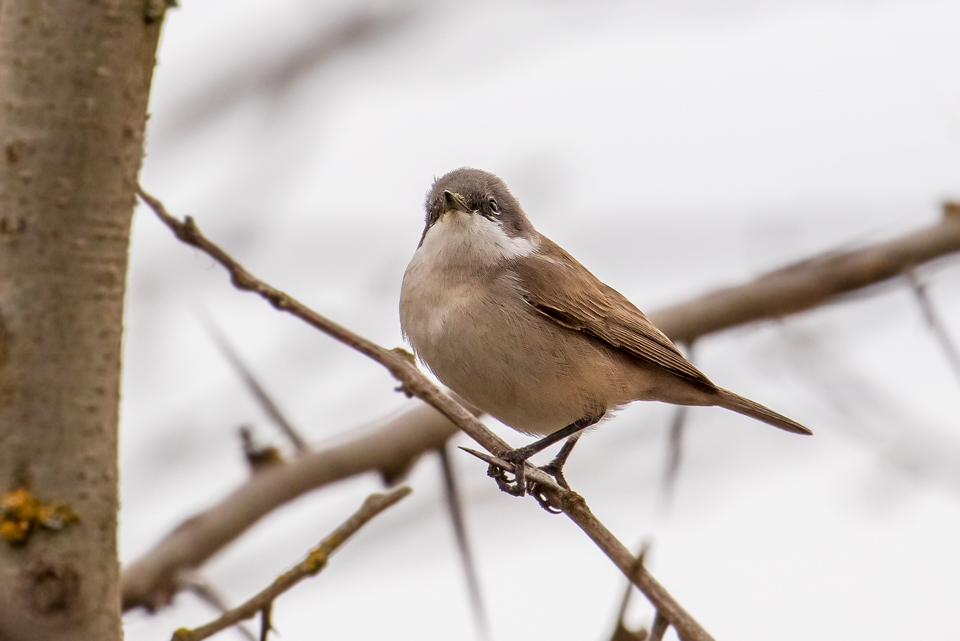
[672,147]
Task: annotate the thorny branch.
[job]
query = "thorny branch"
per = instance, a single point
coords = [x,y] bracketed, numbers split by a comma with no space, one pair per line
[315,561]
[416,384]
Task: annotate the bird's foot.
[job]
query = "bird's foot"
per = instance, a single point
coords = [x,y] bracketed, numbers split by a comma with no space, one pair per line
[518,485]
[555,469]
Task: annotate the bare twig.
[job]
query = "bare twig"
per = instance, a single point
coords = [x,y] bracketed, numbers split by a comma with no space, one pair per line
[415,383]
[266,401]
[674,452]
[455,509]
[621,632]
[933,321]
[904,441]
[315,561]
[206,592]
[659,627]
[265,626]
[258,456]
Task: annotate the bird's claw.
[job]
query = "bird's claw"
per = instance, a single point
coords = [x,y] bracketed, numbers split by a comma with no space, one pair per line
[499,467]
[515,487]
[535,490]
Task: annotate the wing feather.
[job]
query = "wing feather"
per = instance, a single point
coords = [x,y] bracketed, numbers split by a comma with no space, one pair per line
[596,309]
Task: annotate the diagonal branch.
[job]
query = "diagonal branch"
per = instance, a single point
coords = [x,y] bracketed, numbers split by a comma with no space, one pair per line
[315,561]
[415,383]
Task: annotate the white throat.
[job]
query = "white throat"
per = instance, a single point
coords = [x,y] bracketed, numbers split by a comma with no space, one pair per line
[459,238]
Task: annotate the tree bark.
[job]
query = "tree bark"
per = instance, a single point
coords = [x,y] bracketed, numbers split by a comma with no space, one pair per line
[74,84]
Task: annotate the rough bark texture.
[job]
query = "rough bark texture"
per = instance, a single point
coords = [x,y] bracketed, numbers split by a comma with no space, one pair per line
[74,83]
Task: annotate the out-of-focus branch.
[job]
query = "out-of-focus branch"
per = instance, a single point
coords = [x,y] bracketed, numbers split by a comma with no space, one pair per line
[452,497]
[315,561]
[206,592]
[936,326]
[259,392]
[274,77]
[659,628]
[675,444]
[389,449]
[621,632]
[809,283]
[413,382]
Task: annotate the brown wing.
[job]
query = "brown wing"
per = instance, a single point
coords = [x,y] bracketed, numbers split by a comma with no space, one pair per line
[594,308]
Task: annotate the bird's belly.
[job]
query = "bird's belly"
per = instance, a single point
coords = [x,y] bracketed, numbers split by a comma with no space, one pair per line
[520,367]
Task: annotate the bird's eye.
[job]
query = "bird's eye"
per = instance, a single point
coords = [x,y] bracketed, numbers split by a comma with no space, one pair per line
[494,207]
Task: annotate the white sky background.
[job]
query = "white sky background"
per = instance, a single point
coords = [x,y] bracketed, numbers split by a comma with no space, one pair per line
[673,147]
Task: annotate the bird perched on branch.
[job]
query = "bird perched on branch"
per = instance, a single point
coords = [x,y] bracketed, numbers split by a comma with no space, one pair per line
[516,326]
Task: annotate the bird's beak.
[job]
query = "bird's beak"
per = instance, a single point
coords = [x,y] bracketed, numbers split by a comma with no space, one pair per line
[455,202]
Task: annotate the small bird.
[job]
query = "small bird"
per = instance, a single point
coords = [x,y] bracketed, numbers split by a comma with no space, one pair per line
[511,322]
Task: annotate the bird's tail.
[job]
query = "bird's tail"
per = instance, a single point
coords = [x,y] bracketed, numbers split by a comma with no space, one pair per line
[745,406]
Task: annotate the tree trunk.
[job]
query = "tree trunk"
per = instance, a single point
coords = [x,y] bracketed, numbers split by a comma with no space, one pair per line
[74,83]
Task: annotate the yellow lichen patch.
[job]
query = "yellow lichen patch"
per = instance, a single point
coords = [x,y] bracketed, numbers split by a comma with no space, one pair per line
[21,515]
[410,358]
[316,560]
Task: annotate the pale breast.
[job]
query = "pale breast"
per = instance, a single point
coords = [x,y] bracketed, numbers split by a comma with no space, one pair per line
[481,338]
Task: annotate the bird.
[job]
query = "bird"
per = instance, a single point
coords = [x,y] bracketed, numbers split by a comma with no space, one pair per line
[512,323]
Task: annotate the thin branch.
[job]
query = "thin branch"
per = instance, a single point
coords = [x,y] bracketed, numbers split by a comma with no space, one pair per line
[455,510]
[659,627]
[265,626]
[675,443]
[259,392]
[315,561]
[206,592]
[933,321]
[258,456]
[415,383]
[621,632]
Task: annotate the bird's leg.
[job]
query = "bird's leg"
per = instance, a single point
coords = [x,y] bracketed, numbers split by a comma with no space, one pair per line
[555,467]
[519,456]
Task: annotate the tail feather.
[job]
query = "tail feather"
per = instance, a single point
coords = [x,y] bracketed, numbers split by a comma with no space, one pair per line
[745,406]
